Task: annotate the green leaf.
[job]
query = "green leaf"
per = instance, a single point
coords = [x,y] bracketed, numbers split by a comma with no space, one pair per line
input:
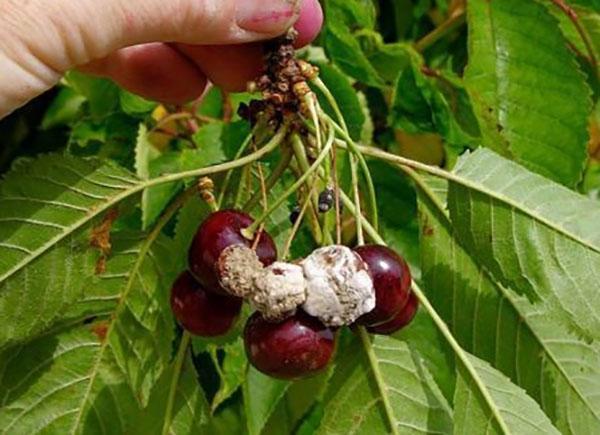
[346,97]
[397,211]
[43,385]
[528,88]
[148,163]
[261,396]
[102,95]
[64,109]
[190,412]
[342,46]
[431,101]
[558,370]
[512,412]
[135,105]
[535,236]
[232,371]
[589,21]
[81,387]
[48,208]
[354,400]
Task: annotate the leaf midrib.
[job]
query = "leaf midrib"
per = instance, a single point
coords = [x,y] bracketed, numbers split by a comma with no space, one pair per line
[114,318]
[69,230]
[455,178]
[503,291]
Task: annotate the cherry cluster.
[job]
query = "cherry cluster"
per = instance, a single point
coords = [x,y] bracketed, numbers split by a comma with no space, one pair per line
[299,345]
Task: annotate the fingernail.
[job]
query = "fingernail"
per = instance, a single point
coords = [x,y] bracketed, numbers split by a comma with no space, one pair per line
[267,16]
[309,22]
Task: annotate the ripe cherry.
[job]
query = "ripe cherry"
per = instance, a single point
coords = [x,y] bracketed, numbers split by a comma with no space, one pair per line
[402,319]
[296,347]
[220,230]
[200,312]
[392,282]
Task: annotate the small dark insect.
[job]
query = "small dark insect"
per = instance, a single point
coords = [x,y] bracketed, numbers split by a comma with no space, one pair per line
[326,200]
[295,214]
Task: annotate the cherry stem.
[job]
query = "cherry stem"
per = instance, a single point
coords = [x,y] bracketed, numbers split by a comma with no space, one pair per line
[358,211]
[249,232]
[274,177]
[238,154]
[186,339]
[355,149]
[313,216]
[342,128]
[296,227]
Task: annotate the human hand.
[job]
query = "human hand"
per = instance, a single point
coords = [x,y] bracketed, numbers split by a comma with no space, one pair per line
[165,50]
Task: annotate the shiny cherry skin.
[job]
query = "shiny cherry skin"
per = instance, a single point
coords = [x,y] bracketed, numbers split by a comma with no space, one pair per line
[200,312]
[392,282]
[219,231]
[402,319]
[297,347]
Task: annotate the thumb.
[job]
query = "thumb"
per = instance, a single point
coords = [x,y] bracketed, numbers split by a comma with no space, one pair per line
[42,39]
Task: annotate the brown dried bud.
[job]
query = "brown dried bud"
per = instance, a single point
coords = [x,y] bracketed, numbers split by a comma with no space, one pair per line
[301,89]
[310,72]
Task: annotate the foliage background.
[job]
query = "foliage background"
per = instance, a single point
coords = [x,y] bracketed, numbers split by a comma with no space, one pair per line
[506,246]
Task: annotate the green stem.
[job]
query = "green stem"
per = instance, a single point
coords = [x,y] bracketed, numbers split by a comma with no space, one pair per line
[589,46]
[313,216]
[443,328]
[296,227]
[245,178]
[461,354]
[250,158]
[281,167]
[366,342]
[453,22]
[177,367]
[358,212]
[355,149]
[303,163]
[227,179]
[249,232]
[331,100]
[368,228]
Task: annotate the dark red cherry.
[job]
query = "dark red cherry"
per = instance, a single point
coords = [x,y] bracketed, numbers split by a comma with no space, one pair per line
[296,347]
[200,312]
[220,230]
[402,319]
[392,281]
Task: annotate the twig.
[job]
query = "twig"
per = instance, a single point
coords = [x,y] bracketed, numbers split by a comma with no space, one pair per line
[572,15]
[454,21]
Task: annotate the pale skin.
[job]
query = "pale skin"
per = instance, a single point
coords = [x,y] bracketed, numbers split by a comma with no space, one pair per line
[165,50]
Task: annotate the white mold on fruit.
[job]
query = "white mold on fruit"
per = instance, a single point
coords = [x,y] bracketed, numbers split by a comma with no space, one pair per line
[237,267]
[339,288]
[278,290]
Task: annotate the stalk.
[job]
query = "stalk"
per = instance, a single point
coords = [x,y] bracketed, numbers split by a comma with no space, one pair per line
[249,232]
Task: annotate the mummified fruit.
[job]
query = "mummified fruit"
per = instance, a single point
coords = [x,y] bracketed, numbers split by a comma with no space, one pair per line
[278,290]
[401,320]
[296,347]
[219,231]
[237,267]
[392,281]
[338,287]
[201,312]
